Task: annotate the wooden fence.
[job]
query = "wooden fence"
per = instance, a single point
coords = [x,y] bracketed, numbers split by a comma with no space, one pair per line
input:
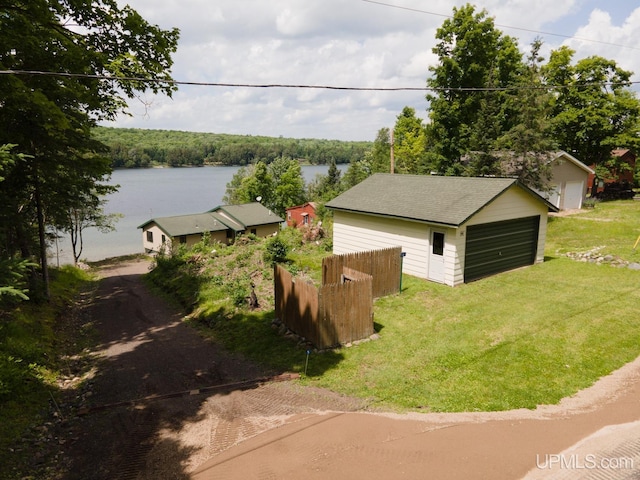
[383,265]
[331,315]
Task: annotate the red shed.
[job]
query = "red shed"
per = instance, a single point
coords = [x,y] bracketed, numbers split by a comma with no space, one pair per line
[623,156]
[301,215]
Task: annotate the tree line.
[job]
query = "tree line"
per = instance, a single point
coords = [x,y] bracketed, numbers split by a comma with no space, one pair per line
[134,148]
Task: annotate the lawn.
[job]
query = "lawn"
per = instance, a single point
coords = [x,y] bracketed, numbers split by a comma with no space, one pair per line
[515,340]
[518,339]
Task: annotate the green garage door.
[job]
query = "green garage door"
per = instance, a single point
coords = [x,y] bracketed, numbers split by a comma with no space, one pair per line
[499,246]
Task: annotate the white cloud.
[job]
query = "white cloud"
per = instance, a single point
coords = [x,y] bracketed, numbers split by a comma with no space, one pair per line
[333,42]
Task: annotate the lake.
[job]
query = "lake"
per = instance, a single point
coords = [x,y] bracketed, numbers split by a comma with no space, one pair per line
[155,192]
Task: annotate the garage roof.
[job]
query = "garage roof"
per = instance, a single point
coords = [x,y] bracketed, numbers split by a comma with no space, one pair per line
[443,200]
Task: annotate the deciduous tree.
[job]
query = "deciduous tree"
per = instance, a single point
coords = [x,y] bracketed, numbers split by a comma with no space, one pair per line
[472,54]
[93,55]
[593,110]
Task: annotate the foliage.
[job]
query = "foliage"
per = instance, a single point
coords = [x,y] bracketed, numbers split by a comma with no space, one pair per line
[595,111]
[492,115]
[13,280]
[36,342]
[49,117]
[143,148]
[410,143]
[275,251]
[277,186]
[529,141]
[471,53]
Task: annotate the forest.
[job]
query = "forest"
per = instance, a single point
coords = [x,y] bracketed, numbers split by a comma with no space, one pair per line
[134,148]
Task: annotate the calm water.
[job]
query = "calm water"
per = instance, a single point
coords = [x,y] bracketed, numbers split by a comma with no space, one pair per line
[155,192]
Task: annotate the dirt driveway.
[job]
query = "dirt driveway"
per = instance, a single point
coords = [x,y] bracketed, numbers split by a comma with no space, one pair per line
[208,419]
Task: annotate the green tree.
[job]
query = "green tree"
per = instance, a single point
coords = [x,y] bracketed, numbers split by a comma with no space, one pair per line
[593,109]
[325,187]
[472,53]
[288,186]
[529,141]
[381,152]
[409,143]
[93,49]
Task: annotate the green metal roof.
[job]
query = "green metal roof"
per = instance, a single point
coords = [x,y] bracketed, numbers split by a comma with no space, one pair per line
[235,217]
[444,200]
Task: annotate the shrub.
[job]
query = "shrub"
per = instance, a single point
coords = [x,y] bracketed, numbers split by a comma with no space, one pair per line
[276,251]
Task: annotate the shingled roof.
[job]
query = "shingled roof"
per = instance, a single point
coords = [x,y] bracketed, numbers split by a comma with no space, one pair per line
[247,214]
[234,217]
[188,224]
[444,200]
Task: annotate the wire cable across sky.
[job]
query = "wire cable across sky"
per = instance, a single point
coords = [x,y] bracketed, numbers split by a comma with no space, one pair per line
[400,7]
[310,86]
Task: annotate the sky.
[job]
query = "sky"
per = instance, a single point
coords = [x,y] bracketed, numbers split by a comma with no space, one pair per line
[344,43]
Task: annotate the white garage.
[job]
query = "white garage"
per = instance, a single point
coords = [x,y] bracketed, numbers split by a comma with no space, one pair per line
[451,229]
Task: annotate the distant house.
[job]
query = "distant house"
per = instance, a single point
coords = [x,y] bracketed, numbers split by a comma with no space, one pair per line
[301,215]
[569,181]
[569,178]
[452,230]
[223,224]
[622,156]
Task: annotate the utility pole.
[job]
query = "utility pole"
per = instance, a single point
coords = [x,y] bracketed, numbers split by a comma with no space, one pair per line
[392,157]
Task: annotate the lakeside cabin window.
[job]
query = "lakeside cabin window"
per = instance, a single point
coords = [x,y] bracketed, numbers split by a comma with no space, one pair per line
[149,236]
[183,239]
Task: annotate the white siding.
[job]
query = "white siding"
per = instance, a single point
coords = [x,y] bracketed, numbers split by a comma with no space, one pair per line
[570,183]
[157,233]
[358,233]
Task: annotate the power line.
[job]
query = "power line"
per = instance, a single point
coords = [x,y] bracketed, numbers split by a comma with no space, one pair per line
[309,86]
[400,7]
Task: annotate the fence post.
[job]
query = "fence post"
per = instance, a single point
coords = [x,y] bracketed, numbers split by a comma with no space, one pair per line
[402,255]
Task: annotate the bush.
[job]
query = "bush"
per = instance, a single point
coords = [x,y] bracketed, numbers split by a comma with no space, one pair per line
[276,251]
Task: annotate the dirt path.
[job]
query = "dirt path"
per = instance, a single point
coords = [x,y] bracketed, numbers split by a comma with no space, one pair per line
[279,430]
[163,399]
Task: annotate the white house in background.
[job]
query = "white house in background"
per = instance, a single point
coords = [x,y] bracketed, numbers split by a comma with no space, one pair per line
[569,181]
[223,224]
[452,230]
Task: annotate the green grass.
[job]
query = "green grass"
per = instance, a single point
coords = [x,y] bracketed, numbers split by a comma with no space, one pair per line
[515,340]
[612,225]
[33,341]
